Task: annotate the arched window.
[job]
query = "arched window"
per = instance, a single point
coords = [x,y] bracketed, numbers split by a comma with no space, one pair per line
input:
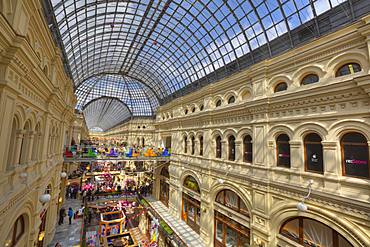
[309,232]
[282,86]
[218,147]
[192,145]
[164,172]
[313,153]
[309,79]
[201,145]
[231,100]
[228,231]
[283,151]
[192,184]
[247,149]
[218,103]
[231,200]
[231,143]
[193,109]
[347,69]
[185,144]
[143,141]
[164,186]
[186,111]
[355,155]
[17,232]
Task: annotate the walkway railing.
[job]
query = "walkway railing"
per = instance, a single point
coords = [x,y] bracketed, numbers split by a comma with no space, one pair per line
[80,158]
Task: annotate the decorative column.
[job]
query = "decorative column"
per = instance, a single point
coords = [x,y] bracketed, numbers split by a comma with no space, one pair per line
[238,151]
[296,160]
[332,166]
[205,218]
[31,135]
[18,146]
[208,144]
[196,146]
[224,149]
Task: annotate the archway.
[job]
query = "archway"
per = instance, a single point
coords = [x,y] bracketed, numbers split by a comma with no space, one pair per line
[164,186]
[191,203]
[309,232]
[231,220]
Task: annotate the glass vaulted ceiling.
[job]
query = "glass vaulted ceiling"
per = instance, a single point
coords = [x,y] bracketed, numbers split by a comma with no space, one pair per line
[166,45]
[104,113]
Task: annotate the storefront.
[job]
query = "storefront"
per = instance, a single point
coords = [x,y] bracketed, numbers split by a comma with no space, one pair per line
[309,232]
[164,192]
[191,203]
[231,220]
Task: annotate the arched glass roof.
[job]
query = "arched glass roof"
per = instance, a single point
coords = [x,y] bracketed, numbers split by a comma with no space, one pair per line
[104,113]
[139,98]
[175,45]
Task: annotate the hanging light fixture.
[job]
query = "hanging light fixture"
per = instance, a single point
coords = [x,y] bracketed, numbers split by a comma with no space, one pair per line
[63,174]
[301,206]
[44,198]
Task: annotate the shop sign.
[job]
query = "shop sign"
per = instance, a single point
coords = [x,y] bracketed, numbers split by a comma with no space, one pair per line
[356,162]
[284,155]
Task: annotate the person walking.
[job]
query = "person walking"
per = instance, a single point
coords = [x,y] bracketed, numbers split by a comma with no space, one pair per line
[62,214]
[70,215]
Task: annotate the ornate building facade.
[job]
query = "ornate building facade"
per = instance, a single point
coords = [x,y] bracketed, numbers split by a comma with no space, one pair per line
[259,157]
[245,149]
[36,111]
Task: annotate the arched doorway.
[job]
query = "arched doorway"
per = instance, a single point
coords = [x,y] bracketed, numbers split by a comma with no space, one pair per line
[18,231]
[231,222]
[164,186]
[310,232]
[191,203]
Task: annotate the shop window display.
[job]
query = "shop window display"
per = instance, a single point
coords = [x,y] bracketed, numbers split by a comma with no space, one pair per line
[312,233]
[313,153]
[164,186]
[355,155]
[191,212]
[283,151]
[230,233]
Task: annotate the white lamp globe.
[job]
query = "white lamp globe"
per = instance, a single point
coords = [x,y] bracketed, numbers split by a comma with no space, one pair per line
[63,174]
[44,198]
[302,207]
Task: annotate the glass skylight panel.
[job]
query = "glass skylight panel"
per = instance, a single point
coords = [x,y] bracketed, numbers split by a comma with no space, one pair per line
[190,40]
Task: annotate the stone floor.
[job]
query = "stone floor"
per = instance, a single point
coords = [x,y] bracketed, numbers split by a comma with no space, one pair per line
[188,235]
[69,235]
